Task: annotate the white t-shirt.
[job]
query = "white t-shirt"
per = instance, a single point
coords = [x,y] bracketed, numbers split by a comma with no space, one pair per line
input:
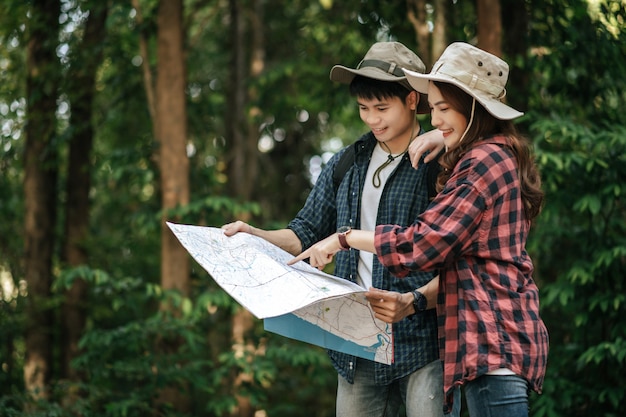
[369,207]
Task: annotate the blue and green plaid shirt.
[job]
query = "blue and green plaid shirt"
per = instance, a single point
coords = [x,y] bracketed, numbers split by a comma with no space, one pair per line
[404,197]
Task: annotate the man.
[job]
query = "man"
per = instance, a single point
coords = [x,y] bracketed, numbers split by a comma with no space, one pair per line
[379,186]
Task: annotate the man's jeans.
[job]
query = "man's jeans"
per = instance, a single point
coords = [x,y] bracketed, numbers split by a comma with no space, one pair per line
[497,395]
[421,393]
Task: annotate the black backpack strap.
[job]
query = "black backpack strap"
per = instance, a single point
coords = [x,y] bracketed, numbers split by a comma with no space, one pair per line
[346,160]
[432,171]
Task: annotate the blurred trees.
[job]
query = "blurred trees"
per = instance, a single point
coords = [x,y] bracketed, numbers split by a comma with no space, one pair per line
[576,97]
[40,190]
[86,125]
[80,90]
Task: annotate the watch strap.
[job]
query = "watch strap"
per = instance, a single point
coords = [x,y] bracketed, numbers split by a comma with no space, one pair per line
[341,235]
[419,301]
[343,241]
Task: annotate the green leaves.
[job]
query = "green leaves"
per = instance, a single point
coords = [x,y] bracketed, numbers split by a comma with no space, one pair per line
[579,245]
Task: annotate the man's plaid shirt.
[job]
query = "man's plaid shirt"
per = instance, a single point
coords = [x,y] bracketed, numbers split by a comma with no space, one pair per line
[404,197]
[475,233]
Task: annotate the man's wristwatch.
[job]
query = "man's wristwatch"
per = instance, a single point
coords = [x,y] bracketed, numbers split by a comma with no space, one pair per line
[341,233]
[419,301]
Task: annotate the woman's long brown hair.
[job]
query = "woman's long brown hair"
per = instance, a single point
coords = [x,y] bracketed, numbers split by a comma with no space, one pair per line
[483,126]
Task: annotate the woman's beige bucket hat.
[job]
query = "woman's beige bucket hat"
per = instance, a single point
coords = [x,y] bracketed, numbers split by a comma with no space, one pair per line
[477,72]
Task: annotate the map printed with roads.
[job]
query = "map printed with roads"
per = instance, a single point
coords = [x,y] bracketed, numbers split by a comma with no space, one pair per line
[299,301]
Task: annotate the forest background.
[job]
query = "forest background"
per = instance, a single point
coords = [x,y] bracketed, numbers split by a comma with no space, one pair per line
[118,115]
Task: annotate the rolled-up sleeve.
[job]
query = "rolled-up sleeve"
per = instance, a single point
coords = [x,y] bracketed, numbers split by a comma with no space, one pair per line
[443,232]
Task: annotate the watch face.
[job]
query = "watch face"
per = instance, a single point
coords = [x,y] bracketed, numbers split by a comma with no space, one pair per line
[419,302]
[343,229]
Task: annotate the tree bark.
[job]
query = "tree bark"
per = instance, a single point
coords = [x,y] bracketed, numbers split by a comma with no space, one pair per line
[171,131]
[515,44]
[430,45]
[244,154]
[81,92]
[489,26]
[237,99]
[440,40]
[416,13]
[145,65]
[40,177]
[171,134]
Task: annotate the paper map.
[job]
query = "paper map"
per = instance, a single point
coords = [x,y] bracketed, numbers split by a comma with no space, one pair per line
[299,301]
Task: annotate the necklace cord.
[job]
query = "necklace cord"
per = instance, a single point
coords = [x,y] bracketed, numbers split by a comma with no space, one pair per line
[376,181]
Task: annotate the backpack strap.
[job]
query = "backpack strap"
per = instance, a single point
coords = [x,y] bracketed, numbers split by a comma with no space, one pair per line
[346,160]
[432,171]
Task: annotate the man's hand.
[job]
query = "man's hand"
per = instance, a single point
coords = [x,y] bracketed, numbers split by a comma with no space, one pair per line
[283,238]
[320,254]
[236,227]
[390,306]
[430,141]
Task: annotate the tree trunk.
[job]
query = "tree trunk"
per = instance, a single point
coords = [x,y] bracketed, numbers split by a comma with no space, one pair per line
[489,26]
[440,40]
[40,177]
[171,135]
[515,44]
[171,131]
[244,155]
[238,178]
[145,65]
[416,13]
[237,100]
[81,92]
[429,45]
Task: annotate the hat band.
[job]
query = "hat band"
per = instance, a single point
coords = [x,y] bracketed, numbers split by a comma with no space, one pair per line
[473,82]
[389,68]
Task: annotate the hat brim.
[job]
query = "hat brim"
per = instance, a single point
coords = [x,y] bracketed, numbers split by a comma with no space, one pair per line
[345,75]
[495,107]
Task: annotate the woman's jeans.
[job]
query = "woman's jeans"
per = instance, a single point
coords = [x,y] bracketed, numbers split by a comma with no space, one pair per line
[496,396]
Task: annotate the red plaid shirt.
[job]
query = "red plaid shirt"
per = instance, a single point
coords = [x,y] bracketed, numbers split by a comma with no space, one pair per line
[475,233]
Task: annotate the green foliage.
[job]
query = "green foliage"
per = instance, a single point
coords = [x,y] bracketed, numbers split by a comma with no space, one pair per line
[305,373]
[574,89]
[12,321]
[212,210]
[12,120]
[577,60]
[576,96]
[579,244]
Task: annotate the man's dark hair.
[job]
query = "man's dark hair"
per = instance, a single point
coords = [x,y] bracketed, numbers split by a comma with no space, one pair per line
[369,88]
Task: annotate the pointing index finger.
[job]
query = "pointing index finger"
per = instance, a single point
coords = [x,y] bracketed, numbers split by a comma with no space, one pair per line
[298,258]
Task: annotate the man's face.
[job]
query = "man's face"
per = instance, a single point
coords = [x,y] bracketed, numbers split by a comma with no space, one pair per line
[390,119]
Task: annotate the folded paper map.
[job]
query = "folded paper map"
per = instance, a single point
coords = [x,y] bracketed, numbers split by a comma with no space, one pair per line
[299,301]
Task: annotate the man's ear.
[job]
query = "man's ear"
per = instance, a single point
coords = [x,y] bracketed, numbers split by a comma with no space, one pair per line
[413,100]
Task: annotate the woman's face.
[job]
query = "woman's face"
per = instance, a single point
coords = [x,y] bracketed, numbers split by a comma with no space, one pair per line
[443,117]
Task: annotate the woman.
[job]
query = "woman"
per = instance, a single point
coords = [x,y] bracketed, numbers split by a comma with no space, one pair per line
[474,233]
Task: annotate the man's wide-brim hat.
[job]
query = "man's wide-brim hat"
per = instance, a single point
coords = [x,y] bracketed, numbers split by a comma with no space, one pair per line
[477,72]
[384,61]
